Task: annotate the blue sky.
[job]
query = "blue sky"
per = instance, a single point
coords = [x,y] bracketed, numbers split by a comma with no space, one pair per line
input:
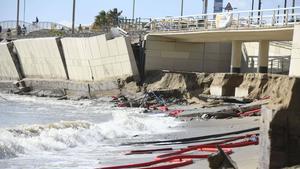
[61,10]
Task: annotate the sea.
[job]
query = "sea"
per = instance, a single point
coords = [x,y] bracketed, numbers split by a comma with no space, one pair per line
[46,133]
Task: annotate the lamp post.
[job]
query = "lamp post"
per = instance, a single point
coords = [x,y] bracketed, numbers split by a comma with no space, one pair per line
[24,11]
[181,13]
[204,10]
[73,17]
[18,13]
[205,4]
[133,11]
[252,11]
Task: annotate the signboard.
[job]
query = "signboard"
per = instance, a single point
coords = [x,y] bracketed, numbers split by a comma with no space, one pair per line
[218,6]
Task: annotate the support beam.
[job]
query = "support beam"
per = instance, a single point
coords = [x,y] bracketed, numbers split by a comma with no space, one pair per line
[236,56]
[263,56]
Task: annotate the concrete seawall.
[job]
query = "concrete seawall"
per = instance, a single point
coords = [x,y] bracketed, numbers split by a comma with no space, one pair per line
[98,58]
[40,58]
[8,70]
[67,61]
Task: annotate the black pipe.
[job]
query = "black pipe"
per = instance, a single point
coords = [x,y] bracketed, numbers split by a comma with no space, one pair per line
[195,138]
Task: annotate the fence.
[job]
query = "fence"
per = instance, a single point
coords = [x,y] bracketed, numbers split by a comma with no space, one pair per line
[280,17]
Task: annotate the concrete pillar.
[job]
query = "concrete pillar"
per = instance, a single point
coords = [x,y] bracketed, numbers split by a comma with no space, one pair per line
[295,58]
[263,57]
[236,56]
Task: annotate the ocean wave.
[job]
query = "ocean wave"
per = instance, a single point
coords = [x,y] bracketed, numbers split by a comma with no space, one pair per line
[70,134]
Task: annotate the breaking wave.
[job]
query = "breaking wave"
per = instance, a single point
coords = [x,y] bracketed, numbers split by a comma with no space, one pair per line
[71,134]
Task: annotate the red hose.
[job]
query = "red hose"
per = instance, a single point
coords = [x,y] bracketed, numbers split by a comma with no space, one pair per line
[178,155]
[249,113]
[213,145]
[176,165]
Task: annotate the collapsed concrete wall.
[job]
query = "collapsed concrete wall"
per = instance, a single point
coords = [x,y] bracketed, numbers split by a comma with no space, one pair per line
[8,69]
[167,54]
[40,58]
[98,58]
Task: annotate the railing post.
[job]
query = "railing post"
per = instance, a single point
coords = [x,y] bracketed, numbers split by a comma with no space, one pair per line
[286,17]
[250,19]
[260,18]
[179,23]
[205,23]
[238,21]
[274,18]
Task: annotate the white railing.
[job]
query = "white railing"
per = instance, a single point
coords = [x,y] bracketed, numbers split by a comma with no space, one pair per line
[30,27]
[279,17]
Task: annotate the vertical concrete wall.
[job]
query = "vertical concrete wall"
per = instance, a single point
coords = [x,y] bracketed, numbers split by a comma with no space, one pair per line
[40,58]
[8,69]
[162,53]
[78,55]
[116,59]
[295,58]
[98,58]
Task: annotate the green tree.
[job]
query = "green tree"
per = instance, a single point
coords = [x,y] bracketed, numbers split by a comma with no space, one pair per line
[101,19]
[107,19]
[113,16]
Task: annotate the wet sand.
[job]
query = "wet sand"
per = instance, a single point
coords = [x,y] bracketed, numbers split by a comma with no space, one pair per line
[246,158]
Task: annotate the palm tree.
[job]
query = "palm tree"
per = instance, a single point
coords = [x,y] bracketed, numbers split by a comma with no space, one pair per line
[113,16]
[101,19]
[107,19]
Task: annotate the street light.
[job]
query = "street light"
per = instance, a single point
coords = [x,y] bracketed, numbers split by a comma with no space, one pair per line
[73,17]
[24,11]
[181,8]
[18,13]
[205,4]
[133,10]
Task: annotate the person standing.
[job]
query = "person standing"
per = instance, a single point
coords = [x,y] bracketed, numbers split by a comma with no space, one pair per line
[19,30]
[8,32]
[0,29]
[24,30]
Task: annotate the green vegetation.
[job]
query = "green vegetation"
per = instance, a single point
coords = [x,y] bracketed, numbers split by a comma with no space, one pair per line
[107,19]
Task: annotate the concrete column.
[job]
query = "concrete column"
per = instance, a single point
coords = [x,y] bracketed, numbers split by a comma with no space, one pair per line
[263,57]
[236,56]
[295,58]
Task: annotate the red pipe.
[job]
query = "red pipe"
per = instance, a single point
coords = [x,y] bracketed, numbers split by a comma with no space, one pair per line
[249,113]
[176,165]
[178,155]
[212,145]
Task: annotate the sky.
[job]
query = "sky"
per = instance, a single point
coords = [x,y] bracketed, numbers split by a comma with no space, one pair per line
[60,11]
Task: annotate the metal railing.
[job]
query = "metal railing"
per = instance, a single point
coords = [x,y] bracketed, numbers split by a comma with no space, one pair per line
[31,27]
[266,18]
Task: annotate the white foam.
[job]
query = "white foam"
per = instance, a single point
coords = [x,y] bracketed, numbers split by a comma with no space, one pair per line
[70,134]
